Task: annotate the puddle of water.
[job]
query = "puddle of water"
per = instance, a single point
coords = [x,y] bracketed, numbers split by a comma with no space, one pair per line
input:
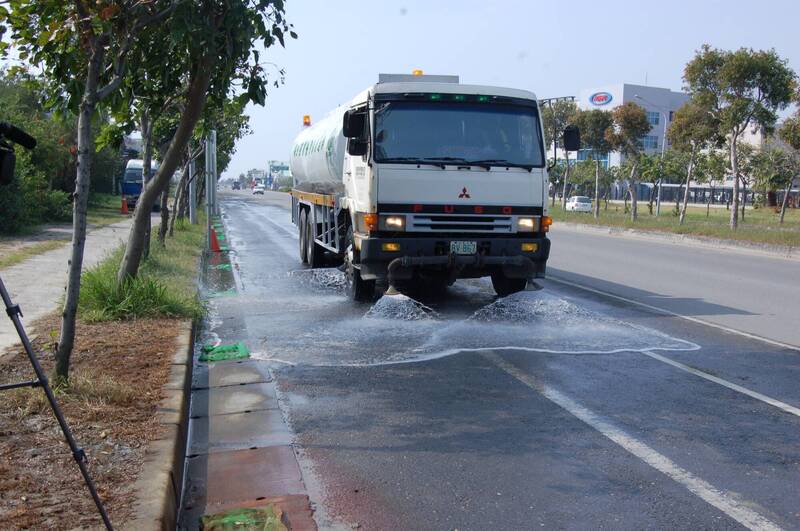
[398,329]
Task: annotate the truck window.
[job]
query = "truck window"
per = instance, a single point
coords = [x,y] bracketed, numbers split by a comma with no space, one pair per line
[421,130]
[133,176]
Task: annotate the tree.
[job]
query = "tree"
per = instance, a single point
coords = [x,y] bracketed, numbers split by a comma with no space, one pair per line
[630,125]
[739,89]
[555,117]
[215,53]
[692,130]
[789,132]
[594,125]
[83,49]
[776,168]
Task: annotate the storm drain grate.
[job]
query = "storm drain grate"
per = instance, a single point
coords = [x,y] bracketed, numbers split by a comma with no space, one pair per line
[236,351]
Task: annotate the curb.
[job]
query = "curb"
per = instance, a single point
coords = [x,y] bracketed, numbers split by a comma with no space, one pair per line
[157,489]
[774,251]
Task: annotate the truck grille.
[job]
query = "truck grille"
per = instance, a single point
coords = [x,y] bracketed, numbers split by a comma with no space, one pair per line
[459,223]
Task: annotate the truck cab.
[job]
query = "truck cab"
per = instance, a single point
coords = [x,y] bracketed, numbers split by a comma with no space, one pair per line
[441,181]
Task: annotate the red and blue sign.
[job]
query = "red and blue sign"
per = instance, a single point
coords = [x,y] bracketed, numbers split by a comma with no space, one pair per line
[600,98]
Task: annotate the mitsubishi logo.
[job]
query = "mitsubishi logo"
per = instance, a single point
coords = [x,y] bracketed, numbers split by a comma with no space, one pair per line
[464,194]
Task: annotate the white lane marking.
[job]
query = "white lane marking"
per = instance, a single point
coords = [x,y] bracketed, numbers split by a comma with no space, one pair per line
[726,502]
[675,314]
[702,374]
[725,383]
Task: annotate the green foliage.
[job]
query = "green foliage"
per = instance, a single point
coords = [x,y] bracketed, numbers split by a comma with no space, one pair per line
[12,206]
[630,125]
[694,128]
[774,169]
[594,126]
[741,87]
[165,286]
[790,131]
[555,117]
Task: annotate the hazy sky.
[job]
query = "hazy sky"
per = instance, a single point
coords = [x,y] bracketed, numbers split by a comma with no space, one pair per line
[553,48]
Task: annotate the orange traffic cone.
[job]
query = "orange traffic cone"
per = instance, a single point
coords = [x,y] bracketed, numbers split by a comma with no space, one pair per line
[124,208]
[214,241]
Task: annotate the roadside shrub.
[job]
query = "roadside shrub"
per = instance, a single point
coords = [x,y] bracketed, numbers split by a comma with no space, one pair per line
[12,208]
[144,296]
[55,205]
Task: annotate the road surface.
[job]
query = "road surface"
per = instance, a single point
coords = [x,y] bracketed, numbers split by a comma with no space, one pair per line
[558,408]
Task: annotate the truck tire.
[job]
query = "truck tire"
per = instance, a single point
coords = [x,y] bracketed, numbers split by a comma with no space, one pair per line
[504,286]
[314,253]
[357,289]
[303,232]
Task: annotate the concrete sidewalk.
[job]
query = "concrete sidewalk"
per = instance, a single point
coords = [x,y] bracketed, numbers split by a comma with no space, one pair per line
[37,284]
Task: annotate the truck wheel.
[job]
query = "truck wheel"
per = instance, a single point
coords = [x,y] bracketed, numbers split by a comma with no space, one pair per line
[314,253]
[357,289]
[506,286]
[301,227]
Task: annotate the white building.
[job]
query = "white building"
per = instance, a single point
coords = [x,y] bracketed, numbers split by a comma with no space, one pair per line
[659,103]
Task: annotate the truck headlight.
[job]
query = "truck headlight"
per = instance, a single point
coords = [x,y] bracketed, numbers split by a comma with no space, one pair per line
[392,223]
[527,224]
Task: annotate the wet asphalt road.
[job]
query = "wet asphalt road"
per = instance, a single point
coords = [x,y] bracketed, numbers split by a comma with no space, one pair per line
[556,408]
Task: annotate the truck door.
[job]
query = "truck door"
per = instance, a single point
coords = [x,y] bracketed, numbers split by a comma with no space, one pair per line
[357,175]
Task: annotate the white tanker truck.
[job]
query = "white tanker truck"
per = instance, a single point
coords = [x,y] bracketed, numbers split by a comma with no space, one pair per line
[421,178]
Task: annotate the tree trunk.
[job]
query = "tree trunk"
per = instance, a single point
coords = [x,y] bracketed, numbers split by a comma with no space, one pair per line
[66,339]
[735,171]
[566,178]
[786,199]
[744,197]
[162,227]
[180,195]
[195,101]
[686,191]
[634,192]
[596,189]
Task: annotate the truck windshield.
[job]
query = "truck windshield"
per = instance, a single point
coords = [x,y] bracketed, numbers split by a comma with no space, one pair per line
[493,134]
[133,176]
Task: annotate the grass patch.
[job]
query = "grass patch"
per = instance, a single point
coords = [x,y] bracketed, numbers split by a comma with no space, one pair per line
[14,257]
[759,225]
[104,209]
[165,286]
[88,389]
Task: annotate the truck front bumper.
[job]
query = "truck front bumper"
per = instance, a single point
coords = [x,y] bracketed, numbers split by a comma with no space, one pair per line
[432,254]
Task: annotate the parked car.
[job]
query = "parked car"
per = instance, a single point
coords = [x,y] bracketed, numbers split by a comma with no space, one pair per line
[579,203]
[258,189]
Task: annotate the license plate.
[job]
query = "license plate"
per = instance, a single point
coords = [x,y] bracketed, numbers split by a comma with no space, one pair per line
[464,247]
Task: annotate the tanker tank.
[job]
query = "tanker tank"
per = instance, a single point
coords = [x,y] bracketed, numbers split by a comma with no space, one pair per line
[318,155]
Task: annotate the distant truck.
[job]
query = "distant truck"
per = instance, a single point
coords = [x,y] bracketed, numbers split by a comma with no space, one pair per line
[422,178]
[132,180]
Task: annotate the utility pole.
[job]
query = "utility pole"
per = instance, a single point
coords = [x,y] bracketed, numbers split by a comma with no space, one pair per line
[192,194]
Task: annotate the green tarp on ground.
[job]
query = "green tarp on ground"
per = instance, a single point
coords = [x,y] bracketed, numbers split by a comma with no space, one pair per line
[262,519]
[236,351]
[227,293]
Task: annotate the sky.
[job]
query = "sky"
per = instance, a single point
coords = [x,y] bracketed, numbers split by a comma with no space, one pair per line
[552,48]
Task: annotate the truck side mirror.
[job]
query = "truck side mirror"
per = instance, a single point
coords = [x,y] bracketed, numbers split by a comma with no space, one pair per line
[356,148]
[572,138]
[353,124]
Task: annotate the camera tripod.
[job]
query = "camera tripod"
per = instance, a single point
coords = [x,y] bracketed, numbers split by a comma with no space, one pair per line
[78,454]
